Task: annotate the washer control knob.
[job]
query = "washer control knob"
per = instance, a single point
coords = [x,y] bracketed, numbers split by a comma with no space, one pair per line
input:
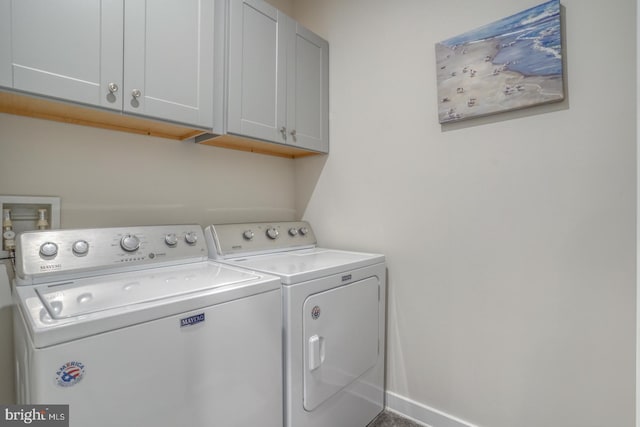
[80,247]
[293,231]
[272,233]
[191,238]
[130,242]
[248,235]
[304,231]
[48,249]
[171,239]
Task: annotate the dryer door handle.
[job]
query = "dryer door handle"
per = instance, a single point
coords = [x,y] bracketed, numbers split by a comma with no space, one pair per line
[315,352]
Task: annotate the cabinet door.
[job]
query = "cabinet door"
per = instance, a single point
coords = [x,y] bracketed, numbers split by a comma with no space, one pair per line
[257,75]
[67,49]
[308,90]
[342,342]
[168,60]
[5,44]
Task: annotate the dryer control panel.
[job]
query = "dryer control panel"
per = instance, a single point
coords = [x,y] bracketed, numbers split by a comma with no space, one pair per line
[44,256]
[233,240]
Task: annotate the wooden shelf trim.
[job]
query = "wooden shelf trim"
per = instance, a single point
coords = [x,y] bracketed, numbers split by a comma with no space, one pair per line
[41,108]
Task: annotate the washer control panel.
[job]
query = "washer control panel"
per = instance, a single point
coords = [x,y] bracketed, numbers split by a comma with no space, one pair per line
[232,240]
[82,252]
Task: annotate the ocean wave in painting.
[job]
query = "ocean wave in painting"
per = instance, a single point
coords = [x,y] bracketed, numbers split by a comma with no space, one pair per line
[530,41]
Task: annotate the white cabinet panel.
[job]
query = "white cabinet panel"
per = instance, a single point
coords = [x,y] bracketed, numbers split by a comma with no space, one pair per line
[308,91]
[278,78]
[168,60]
[5,43]
[102,52]
[256,70]
[63,48]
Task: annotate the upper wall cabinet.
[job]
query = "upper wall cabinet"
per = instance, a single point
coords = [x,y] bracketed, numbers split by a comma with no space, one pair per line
[278,78]
[308,89]
[150,58]
[5,43]
[168,60]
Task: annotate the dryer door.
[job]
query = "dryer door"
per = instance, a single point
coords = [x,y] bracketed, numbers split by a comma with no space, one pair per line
[340,329]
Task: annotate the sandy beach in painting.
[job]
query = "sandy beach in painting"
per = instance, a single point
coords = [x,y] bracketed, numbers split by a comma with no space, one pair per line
[470,84]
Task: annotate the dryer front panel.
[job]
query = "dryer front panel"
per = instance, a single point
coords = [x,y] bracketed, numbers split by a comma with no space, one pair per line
[340,328]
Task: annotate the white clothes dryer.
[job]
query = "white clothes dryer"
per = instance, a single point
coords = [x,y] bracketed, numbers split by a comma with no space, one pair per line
[136,327]
[334,319]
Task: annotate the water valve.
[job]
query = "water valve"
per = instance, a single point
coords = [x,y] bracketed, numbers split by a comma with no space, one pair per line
[42,223]
[8,235]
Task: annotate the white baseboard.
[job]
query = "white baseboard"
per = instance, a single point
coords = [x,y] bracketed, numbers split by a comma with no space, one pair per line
[422,414]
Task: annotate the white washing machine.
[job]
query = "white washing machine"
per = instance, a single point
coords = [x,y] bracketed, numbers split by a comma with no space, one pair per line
[334,319]
[136,327]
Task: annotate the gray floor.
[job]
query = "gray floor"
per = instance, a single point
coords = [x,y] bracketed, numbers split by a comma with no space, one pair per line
[389,419]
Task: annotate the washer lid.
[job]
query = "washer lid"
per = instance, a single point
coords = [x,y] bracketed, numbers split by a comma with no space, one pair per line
[66,311]
[86,296]
[307,264]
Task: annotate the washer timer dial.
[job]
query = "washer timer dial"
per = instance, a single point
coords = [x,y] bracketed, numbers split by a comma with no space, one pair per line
[272,233]
[130,242]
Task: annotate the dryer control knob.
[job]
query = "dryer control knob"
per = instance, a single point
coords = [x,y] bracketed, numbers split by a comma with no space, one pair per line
[171,239]
[48,249]
[130,242]
[80,247]
[191,238]
[304,231]
[272,233]
[293,231]
[248,235]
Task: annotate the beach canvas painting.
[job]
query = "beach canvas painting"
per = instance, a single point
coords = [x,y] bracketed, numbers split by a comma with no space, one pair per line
[509,64]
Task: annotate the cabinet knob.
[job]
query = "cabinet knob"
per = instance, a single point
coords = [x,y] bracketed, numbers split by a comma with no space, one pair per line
[113,88]
[136,93]
[283,131]
[293,134]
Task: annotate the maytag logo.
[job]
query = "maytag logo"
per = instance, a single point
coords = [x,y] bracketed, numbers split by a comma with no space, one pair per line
[347,277]
[50,267]
[192,320]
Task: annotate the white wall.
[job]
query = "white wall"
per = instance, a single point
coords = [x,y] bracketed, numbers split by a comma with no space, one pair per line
[510,239]
[285,6]
[107,178]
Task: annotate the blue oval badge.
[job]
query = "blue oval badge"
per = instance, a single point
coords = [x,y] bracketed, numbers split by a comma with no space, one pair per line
[70,373]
